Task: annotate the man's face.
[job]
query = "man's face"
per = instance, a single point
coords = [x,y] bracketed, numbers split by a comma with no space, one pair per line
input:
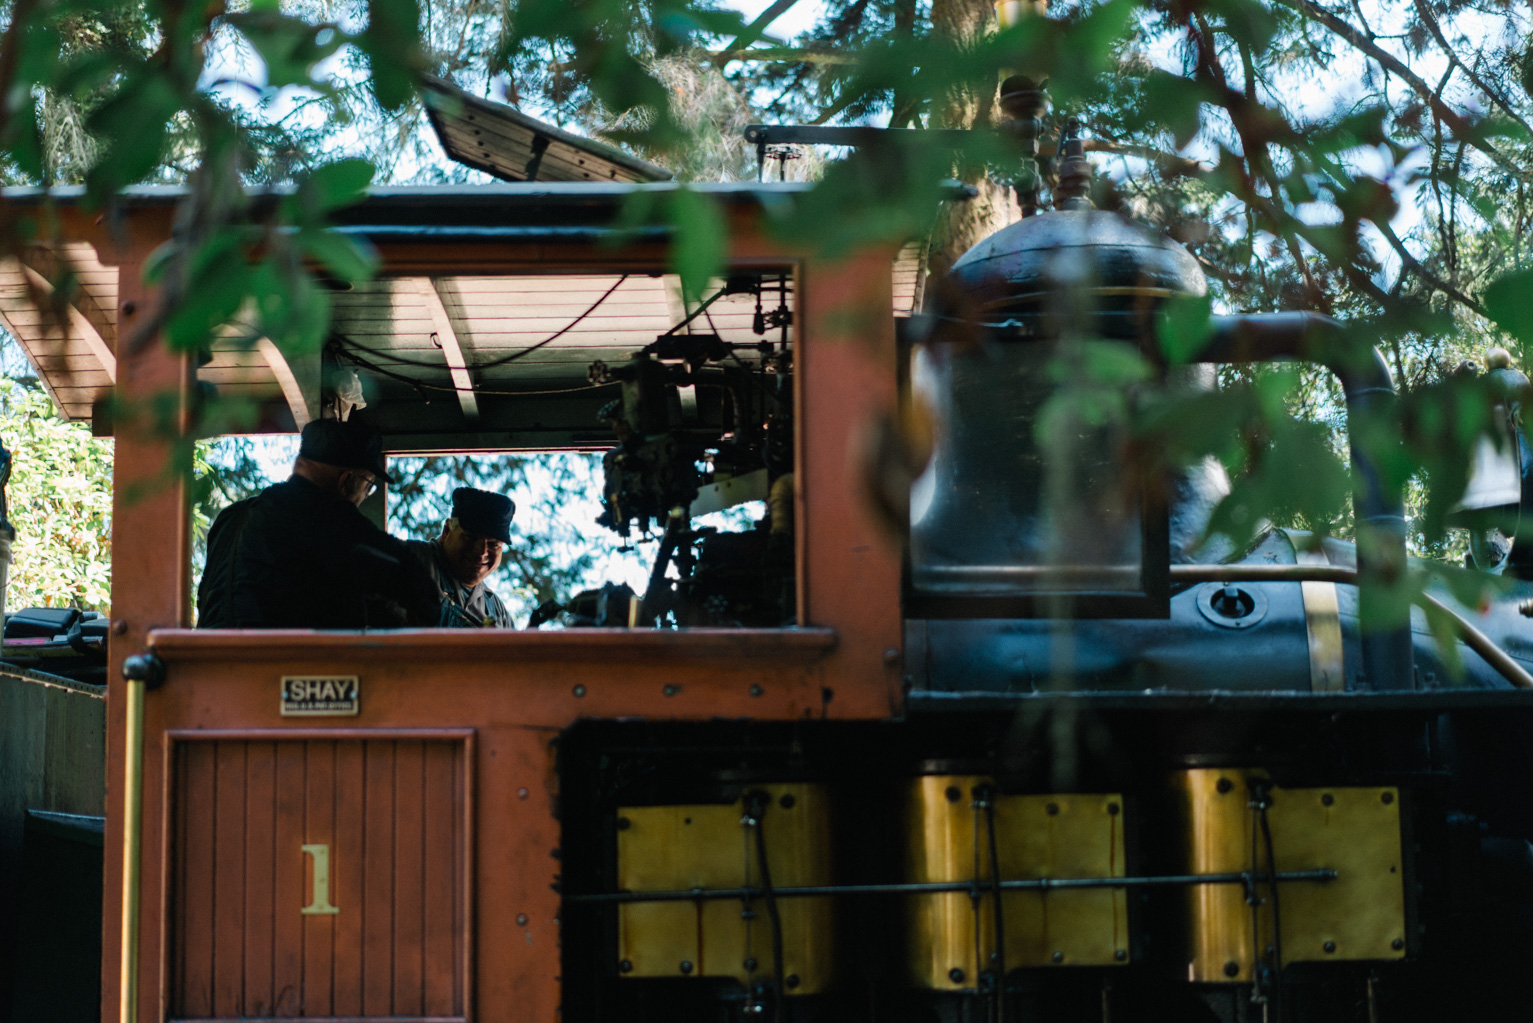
[357,485]
[470,556]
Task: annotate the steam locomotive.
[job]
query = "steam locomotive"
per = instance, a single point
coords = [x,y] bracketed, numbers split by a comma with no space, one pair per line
[1044,756]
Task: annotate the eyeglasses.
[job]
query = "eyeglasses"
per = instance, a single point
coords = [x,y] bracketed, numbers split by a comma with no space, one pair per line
[371,487]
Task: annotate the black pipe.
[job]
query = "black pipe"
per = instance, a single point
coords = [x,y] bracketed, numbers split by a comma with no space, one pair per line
[1388,661]
[977,888]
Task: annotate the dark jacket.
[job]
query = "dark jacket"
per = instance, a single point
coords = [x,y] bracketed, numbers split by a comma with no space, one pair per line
[296,556]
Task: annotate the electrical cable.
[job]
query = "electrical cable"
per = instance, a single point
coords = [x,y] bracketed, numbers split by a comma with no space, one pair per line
[372,367]
[999,991]
[1253,899]
[758,805]
[694,314]
[1277,922]
[501,360]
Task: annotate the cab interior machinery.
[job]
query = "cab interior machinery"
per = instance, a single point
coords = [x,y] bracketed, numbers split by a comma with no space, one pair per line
[689,401]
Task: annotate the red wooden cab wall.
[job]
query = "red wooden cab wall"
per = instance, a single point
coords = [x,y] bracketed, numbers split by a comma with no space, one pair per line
[438,801]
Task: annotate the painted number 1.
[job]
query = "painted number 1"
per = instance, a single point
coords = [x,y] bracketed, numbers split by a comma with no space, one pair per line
[321,904]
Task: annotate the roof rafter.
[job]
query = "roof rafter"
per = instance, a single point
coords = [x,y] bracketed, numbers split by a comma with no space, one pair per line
[287,379]
[446,336]
[80,322]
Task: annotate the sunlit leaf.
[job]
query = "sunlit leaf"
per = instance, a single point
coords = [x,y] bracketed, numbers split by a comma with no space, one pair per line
[1184,327]
[347,259]
[697,253]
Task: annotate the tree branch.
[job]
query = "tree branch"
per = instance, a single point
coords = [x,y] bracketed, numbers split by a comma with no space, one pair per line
[752,32]
[1460,125]
[1169,163]
[764,54]
[782,55]
[1426,275]
[1253,123]
[1425,10]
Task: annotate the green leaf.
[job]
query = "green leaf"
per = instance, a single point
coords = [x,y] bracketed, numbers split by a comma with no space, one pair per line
[336,185]
[1184,327]
[1090,44]
[1175,102]
[294,310]
[1361,128]
[214,292]
[697,252]
[1113,364]
[134,123]
[1249,22]
[1509,301]
[347,259]
[1445,631]
[390,47]
[289,46]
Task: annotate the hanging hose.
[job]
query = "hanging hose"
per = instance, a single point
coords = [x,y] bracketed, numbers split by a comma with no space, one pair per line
[1277,922]
[756,805]
[987,798]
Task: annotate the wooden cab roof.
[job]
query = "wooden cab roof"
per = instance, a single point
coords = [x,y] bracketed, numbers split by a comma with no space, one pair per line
[492,304]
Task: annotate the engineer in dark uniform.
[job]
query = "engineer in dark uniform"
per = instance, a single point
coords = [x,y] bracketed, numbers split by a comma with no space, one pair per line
[301,555]
[468,550]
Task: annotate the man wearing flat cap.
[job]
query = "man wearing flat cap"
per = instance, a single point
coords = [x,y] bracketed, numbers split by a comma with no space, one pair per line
[468,550]
[301,555]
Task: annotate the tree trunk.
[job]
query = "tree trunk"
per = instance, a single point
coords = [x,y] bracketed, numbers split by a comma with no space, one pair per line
[962,224]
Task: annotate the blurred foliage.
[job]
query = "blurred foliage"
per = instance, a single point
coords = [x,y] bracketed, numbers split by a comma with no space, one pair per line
[59,501]
[1395,198]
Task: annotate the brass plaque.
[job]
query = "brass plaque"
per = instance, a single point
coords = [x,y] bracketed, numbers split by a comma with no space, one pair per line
[1353,831]
[680,848]
[1037,836]
[320,695]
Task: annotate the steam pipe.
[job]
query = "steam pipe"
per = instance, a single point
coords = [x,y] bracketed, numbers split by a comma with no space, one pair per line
[1504,663]
[975,888]
[1388,661]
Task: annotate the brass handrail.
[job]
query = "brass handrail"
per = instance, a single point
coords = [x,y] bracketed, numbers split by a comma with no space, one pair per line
[132,834]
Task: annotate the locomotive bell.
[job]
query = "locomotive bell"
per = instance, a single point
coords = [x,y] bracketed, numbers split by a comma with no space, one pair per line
[1026,492]
[1122,267]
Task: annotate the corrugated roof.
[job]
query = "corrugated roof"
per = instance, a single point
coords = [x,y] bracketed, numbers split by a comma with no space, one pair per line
[502,141]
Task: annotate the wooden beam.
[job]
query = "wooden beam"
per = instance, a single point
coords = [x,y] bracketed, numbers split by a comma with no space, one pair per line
[452,351]
[292,390]
[80,322]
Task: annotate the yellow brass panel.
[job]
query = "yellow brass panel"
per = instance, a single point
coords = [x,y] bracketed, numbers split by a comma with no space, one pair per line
[673,848]
[1044,836]
[1354,831]
[1218,834]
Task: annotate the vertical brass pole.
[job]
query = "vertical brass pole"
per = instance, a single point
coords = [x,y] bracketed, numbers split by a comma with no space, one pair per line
[132,832]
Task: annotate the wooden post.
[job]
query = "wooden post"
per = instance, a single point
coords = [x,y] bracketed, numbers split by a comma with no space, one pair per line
[151,542]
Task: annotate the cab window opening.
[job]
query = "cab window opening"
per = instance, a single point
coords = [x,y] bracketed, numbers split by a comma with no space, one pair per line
[644,437]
